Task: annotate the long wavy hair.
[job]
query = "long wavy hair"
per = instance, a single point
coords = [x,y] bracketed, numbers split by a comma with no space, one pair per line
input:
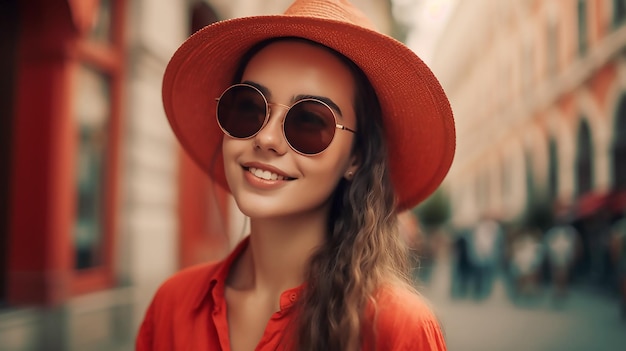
[362,250]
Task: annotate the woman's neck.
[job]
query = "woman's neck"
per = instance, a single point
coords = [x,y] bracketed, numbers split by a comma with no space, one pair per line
[278,253]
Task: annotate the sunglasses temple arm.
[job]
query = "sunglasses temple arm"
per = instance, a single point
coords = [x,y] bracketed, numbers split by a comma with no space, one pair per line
[342,127]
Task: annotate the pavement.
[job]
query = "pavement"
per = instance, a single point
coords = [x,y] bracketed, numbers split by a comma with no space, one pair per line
[588,320]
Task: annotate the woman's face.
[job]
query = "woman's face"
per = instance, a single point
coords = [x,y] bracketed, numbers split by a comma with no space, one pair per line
[266,177]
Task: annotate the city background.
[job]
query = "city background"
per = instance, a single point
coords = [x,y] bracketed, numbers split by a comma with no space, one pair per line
[521,248]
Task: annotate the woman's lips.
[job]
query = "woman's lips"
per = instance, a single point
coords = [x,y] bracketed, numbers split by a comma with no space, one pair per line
[267,175]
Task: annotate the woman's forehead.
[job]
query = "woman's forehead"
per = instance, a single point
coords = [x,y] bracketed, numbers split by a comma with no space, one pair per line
[289,68]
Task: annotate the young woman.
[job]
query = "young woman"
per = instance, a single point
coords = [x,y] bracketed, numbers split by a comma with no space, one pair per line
[325,130]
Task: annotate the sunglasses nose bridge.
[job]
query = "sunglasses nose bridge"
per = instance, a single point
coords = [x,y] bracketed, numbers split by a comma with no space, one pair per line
[271,109]
[271,135]
[280,114]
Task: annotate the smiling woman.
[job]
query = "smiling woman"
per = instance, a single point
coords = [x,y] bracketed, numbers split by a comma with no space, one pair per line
[325,130]
[308,127]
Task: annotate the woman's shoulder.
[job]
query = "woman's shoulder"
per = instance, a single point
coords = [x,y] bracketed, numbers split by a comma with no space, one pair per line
[169,313]
[404,303]
[405,320]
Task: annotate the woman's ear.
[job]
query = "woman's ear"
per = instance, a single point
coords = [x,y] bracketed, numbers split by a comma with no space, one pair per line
[354,166]
[349,175]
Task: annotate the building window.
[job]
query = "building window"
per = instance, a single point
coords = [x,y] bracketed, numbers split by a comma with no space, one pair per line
[619,147]
[530,181]
[92,115]
[66,131]
[553,170]
[619,12]
[583,34]
[97,114]
[584,160]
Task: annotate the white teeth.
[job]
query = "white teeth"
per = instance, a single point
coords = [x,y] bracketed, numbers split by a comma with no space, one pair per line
[267,175]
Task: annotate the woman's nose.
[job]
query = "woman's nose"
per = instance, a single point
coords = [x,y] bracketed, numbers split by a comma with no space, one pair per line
[271,137]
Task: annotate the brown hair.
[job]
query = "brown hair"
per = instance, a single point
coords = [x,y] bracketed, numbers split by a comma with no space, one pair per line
[362,250]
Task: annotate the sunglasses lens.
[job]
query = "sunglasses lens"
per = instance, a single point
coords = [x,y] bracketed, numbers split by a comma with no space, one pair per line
[309,127]
[241,111]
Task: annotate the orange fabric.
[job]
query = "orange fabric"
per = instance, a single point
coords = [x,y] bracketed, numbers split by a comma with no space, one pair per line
[188,312]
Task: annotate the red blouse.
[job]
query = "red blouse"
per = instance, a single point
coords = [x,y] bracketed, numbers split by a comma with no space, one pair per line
[188,313]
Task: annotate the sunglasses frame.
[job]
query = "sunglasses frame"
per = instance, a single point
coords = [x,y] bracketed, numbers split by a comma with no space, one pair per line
[268,105]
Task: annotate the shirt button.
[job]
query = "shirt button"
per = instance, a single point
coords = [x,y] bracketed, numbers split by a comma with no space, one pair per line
[293,297]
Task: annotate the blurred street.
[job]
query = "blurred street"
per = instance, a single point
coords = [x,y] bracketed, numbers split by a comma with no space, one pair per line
[586,320]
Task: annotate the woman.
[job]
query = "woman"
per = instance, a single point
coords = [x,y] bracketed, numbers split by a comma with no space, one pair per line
[325,130]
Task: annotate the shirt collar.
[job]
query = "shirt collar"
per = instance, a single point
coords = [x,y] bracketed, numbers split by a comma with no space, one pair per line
[219,275]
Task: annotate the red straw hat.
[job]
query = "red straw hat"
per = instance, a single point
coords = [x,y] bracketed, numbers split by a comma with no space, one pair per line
[416,113]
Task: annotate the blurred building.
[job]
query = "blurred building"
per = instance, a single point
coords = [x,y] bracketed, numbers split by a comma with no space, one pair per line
[539,93]
[538,90]
[98,202]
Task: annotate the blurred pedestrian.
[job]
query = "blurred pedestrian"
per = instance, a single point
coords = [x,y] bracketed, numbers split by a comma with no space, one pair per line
[526,260]
[618,245]
[485,253]
[560,243]
[325,131]
[463,269]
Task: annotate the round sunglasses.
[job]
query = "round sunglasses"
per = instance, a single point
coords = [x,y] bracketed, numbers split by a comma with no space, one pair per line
[308,126]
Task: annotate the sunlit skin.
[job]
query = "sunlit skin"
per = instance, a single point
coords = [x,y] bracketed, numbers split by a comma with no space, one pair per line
[288,217]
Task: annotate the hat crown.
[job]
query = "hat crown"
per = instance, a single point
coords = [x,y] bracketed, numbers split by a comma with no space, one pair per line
[335,10]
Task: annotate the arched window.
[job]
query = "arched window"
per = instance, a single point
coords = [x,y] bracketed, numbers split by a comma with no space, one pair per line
[553,170]
[584,160]
[619,12]
[530,180]
[583,32]
[619,147]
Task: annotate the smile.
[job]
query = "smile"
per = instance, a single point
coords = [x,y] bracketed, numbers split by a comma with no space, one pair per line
[266,175]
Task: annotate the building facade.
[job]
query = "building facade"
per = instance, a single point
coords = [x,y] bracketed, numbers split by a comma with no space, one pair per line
[539,93]
[99,203]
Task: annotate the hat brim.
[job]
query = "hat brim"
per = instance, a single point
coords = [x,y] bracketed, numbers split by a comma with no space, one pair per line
[417,117]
